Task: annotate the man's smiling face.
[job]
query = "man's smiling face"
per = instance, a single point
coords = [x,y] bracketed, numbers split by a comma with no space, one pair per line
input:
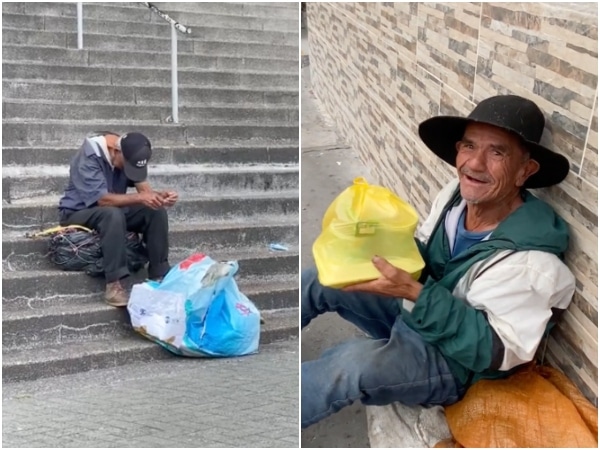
[492,164]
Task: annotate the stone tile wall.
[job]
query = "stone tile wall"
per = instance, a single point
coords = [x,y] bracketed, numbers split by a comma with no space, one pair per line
[379,69]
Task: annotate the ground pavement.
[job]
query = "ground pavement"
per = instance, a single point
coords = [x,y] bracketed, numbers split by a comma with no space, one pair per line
[250,401]
[328,167]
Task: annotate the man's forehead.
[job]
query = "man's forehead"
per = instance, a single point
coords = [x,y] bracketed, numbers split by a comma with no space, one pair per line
[483,130]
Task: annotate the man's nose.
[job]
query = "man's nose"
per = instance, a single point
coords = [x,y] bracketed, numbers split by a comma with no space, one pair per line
[477,160]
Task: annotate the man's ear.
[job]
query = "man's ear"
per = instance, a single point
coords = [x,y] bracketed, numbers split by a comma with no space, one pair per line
[530,167]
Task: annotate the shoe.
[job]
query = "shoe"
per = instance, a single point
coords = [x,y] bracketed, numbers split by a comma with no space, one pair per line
[115,295]
[156,279]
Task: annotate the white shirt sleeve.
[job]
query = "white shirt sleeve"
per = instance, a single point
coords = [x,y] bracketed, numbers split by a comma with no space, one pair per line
[518,294]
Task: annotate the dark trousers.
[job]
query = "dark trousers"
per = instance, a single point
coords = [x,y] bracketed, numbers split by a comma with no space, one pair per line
[113,224]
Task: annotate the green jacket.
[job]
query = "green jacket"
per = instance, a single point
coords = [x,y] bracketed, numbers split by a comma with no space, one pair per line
[462,332]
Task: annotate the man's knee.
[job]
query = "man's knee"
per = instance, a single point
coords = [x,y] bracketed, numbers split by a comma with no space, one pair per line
[307,278]
[158,214]
[112,216]
[309,281]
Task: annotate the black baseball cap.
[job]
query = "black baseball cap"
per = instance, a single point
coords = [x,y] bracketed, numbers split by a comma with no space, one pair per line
[137,150]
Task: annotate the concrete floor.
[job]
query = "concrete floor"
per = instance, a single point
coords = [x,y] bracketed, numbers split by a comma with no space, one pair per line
[328,166]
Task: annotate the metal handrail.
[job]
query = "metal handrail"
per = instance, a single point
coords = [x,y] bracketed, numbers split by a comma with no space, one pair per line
[79,25]
[175,26]
[178,26]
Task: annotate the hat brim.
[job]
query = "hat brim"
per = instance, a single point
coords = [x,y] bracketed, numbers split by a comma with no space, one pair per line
[441,134]
[135,174]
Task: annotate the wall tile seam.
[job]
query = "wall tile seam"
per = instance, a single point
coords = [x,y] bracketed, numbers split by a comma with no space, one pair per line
[344,12]
[556,353]
[587,136]
[569,217]
[477,55]
[446,85]
[358,23]
[588,302]
[394,119]
[576,321]
[578,318]
[590,391]
[588,182]
[385,39]
[418,42]
[585,289]
[581,361]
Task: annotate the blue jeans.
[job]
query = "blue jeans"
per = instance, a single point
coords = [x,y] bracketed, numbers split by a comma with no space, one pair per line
[394,364]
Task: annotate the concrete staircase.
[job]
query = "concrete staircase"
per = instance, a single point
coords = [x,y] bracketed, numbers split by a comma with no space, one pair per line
[233,158]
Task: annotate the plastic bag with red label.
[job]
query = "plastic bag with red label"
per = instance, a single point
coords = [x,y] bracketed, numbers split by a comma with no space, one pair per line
[197,310]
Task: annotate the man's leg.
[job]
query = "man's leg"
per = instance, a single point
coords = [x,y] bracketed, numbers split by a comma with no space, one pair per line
[373,314]
[378,372]
[110,224]
[154,226]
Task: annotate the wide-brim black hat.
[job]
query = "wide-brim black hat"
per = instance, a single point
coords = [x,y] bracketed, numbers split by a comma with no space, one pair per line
[515,114]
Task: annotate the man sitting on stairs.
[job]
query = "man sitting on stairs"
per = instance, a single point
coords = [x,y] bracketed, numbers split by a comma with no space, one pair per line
[96,196]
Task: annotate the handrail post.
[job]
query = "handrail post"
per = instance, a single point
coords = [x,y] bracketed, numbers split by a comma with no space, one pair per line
[80,25]
[174,86]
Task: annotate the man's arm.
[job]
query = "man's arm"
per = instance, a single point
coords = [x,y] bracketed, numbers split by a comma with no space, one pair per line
[149,199]
[144,186]
[458,330]
[504,318]
[145,196]
[169,198]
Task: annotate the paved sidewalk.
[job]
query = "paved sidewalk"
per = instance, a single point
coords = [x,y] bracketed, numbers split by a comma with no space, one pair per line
[237,402]
[328,167]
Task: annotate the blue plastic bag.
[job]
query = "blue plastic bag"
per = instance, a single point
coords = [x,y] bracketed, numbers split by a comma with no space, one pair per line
[215,319]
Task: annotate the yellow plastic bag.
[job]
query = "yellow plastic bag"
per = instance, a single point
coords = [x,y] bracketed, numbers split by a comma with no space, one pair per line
[364,221]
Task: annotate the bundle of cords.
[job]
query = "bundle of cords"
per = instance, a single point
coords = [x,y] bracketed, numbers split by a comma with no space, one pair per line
[73,249]
[77,248]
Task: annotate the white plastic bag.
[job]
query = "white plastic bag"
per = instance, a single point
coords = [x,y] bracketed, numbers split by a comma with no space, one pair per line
[197,310]
[157,313]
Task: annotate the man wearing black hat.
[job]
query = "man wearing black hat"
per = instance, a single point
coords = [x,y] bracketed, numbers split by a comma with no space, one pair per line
[96,197]
[493,283]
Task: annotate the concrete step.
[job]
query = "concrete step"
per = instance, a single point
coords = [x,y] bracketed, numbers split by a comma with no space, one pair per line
[224,154]
[239,49]
[40,213]
[87,320]
[69,9]
[142,95]
[267,292]
[289,5]
[146,77]
[228,21]
[105,58]
[18,133]
[139,29]
[148,44]
[68,358]
[21,289]
[101,110]
[274,10]
[109,39]
[140,13]
[22,254]
[29,181]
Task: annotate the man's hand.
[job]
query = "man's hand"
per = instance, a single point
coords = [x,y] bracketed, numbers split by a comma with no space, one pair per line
[169,198]
[151,199]
[393,282]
